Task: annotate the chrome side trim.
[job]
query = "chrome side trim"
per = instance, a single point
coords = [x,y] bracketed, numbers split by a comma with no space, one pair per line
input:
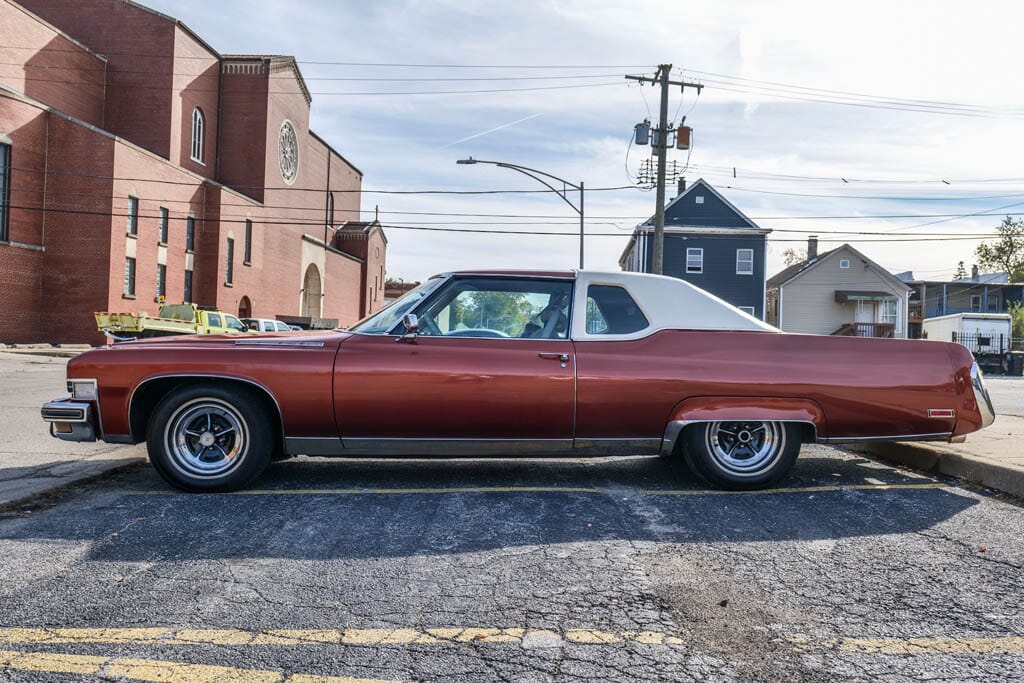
[313,445]
[675,428]
[937,436]
[278,342]
[455,448]
[458,447]
[984,401]
[625,446]
[277,406]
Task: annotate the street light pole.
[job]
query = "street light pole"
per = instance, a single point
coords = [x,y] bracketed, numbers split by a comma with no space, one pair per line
[536,175]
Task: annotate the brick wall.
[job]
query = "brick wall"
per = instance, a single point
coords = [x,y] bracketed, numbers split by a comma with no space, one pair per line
[40,61]
[139,47]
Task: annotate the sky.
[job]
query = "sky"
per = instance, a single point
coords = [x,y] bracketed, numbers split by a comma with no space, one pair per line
[766,68]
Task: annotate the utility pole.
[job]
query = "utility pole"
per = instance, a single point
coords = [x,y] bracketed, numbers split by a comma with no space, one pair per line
[660,144]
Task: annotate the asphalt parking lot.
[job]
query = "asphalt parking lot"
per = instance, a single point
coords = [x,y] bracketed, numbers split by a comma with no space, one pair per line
[478,570]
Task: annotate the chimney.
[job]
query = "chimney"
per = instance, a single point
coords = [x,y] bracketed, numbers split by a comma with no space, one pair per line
[812,247]
[974,272]
[682,186]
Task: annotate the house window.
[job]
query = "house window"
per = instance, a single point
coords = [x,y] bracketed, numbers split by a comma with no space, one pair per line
[844,263]
[975,303]
[163,225]
[129,277]
[744,261]
[198,126]
[5,191]
[133,215]
[248,243]
[330,208]
[889,309]
[188,287]
[190,233]
[699,199]
[749,310]
[161,280]
[229,270]
[993,304]
[694,260]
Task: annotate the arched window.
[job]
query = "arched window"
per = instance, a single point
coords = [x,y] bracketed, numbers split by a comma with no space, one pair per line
[198,129]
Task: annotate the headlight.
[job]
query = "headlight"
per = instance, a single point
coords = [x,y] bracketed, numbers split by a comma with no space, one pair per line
[83,389]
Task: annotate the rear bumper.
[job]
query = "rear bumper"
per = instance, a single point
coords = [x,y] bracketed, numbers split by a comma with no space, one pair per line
[69,420]
[985,408]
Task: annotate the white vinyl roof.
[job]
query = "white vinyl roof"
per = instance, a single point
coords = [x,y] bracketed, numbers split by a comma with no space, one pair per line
[668,304]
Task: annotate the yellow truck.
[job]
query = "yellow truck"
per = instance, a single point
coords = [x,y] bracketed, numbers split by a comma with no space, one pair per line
[172,319]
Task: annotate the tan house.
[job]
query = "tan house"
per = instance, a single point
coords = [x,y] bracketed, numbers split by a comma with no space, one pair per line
[840,292]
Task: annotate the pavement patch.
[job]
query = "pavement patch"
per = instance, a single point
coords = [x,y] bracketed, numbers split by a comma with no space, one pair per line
[159,671]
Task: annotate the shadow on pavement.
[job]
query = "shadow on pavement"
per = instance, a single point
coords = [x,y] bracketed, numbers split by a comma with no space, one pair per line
[140,519]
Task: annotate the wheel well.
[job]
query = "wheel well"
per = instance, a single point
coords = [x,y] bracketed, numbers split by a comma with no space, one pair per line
[151,392]
[808,431]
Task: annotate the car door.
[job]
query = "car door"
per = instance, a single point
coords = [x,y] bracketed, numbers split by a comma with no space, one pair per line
[491,366]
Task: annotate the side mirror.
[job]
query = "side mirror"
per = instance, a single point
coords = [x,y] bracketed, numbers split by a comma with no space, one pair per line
[412,328]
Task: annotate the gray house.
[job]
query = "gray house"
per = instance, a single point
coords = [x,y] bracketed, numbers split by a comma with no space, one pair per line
[709,243]
[840,292]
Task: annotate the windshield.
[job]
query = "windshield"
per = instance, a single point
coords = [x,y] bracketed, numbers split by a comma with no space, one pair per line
[384,319]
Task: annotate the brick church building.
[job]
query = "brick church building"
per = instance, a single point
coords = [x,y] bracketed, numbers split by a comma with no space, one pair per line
[136,162]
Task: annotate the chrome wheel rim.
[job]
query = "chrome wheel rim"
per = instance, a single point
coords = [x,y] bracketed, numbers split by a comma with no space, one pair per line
[745,448]
[206,437]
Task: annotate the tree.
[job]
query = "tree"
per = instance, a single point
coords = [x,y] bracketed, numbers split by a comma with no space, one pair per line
[793,256]
[1006,254]
[961,272]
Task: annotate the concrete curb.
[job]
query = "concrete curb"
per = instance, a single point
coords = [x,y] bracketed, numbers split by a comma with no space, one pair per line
[919,456]
[23,491]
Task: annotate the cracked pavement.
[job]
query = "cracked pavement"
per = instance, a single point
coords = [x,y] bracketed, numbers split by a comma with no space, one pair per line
[567,570]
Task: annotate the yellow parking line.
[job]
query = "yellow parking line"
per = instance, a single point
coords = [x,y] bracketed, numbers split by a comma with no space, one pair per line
[345,636]
[559,489]
[151,670]
[796,489]
[923,646]
[154,670]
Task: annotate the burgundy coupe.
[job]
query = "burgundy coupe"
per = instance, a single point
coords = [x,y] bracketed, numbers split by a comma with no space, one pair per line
[520,363]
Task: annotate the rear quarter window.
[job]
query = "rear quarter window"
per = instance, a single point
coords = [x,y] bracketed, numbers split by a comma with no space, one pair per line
[611,310]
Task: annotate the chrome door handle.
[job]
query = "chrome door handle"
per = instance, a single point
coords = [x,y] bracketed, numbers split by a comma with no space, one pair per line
[563,357]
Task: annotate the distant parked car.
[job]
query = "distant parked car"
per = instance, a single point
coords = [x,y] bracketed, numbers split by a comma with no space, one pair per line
[521,363]
[267,325]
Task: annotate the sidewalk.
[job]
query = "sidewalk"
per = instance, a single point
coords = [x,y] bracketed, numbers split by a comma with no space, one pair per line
[993,457]
[31,461]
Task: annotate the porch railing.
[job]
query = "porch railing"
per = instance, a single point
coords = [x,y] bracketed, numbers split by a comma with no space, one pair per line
[887,330]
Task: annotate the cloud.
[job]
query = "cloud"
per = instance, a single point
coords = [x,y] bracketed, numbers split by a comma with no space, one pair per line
[895,48]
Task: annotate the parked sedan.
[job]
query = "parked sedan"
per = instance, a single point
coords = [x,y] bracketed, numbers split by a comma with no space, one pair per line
[527,363]
[267,325]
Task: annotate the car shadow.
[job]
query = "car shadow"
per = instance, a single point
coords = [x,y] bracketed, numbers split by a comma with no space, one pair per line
[351,509]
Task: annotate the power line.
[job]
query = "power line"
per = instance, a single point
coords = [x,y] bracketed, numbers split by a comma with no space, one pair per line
[287,221]
[321,93]
[416,79]
[215,184]
[882,98]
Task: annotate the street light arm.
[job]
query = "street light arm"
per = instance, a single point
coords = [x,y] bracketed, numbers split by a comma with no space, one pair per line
[531,173]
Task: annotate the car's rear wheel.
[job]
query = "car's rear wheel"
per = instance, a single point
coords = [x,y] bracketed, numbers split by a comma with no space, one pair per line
[210,438]
[741,455]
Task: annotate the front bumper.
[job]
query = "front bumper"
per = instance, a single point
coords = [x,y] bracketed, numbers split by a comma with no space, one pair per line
[69,420]
[988,412]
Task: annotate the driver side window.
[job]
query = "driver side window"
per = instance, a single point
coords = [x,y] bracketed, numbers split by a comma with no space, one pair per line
[499,308]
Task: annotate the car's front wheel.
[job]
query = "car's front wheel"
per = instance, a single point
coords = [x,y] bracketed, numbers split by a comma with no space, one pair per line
[741,455]
[209,438]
